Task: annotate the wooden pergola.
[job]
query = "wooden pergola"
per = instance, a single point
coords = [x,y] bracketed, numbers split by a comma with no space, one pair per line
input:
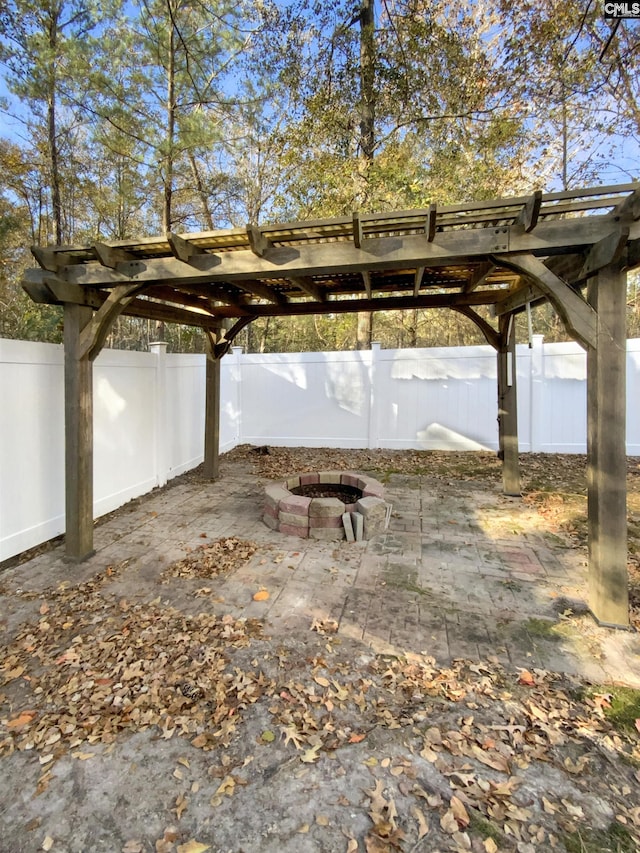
[570,248]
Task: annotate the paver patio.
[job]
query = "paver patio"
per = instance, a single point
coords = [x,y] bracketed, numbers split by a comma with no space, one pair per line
[461,572]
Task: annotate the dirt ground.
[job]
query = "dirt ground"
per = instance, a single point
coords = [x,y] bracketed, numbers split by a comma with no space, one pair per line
[202,684]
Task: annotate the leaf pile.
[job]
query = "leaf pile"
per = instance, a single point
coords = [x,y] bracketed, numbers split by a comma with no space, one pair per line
[209,560]
[95,666]
[466,742]
[283,461]
[479,729]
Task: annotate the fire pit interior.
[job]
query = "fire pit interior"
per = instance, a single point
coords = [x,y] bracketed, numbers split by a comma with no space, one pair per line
[347,494]
[330,505]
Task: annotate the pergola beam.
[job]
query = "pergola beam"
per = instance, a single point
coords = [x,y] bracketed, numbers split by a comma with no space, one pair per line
[517,300]
[260,245]
[382,303]
[110,256]
[606,251]
[528,216]
[577,315]
[78,431]
[607,464]
[211,466]
[545,240]
[491,335]
[307,285]
[244,268]
[183,250]
[508,407]
[479,276]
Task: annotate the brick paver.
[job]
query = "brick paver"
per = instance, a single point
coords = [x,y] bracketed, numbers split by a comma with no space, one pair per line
[459,573]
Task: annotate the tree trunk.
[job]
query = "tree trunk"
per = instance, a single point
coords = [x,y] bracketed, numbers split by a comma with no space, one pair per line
[200,190]
[364,334]
[367,96]
[171,129]
[56,201]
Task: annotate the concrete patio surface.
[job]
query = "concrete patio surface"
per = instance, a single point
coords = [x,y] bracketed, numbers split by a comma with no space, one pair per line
[461,572]
[401,695]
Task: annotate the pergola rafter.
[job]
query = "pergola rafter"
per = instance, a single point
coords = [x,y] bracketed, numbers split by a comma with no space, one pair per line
[503,254]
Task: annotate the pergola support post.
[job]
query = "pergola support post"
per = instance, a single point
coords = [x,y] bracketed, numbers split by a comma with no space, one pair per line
[78,392]
[508,407]
[211,469]
[607,469]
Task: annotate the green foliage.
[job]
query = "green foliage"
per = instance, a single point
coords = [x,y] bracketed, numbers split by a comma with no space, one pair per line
[615,839]
[176,114]
[622,708]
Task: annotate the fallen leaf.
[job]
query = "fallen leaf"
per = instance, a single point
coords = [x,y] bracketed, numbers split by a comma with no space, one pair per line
[227,786]
[448,822]
[374,844]
[193,846]
[322,820]
[459,812]
[261,595]
[47,844]
[133,846]
[490,845]
[23,719]
[526,678]
[310,755]
[267,736]
[304,828]
[491,759]
[352,846]
[356,738]
[423,826]
[181,805]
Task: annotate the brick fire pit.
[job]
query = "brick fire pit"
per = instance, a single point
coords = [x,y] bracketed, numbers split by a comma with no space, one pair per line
[330,505]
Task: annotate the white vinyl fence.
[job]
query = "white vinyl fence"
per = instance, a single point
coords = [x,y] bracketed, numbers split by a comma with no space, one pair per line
[149,413]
